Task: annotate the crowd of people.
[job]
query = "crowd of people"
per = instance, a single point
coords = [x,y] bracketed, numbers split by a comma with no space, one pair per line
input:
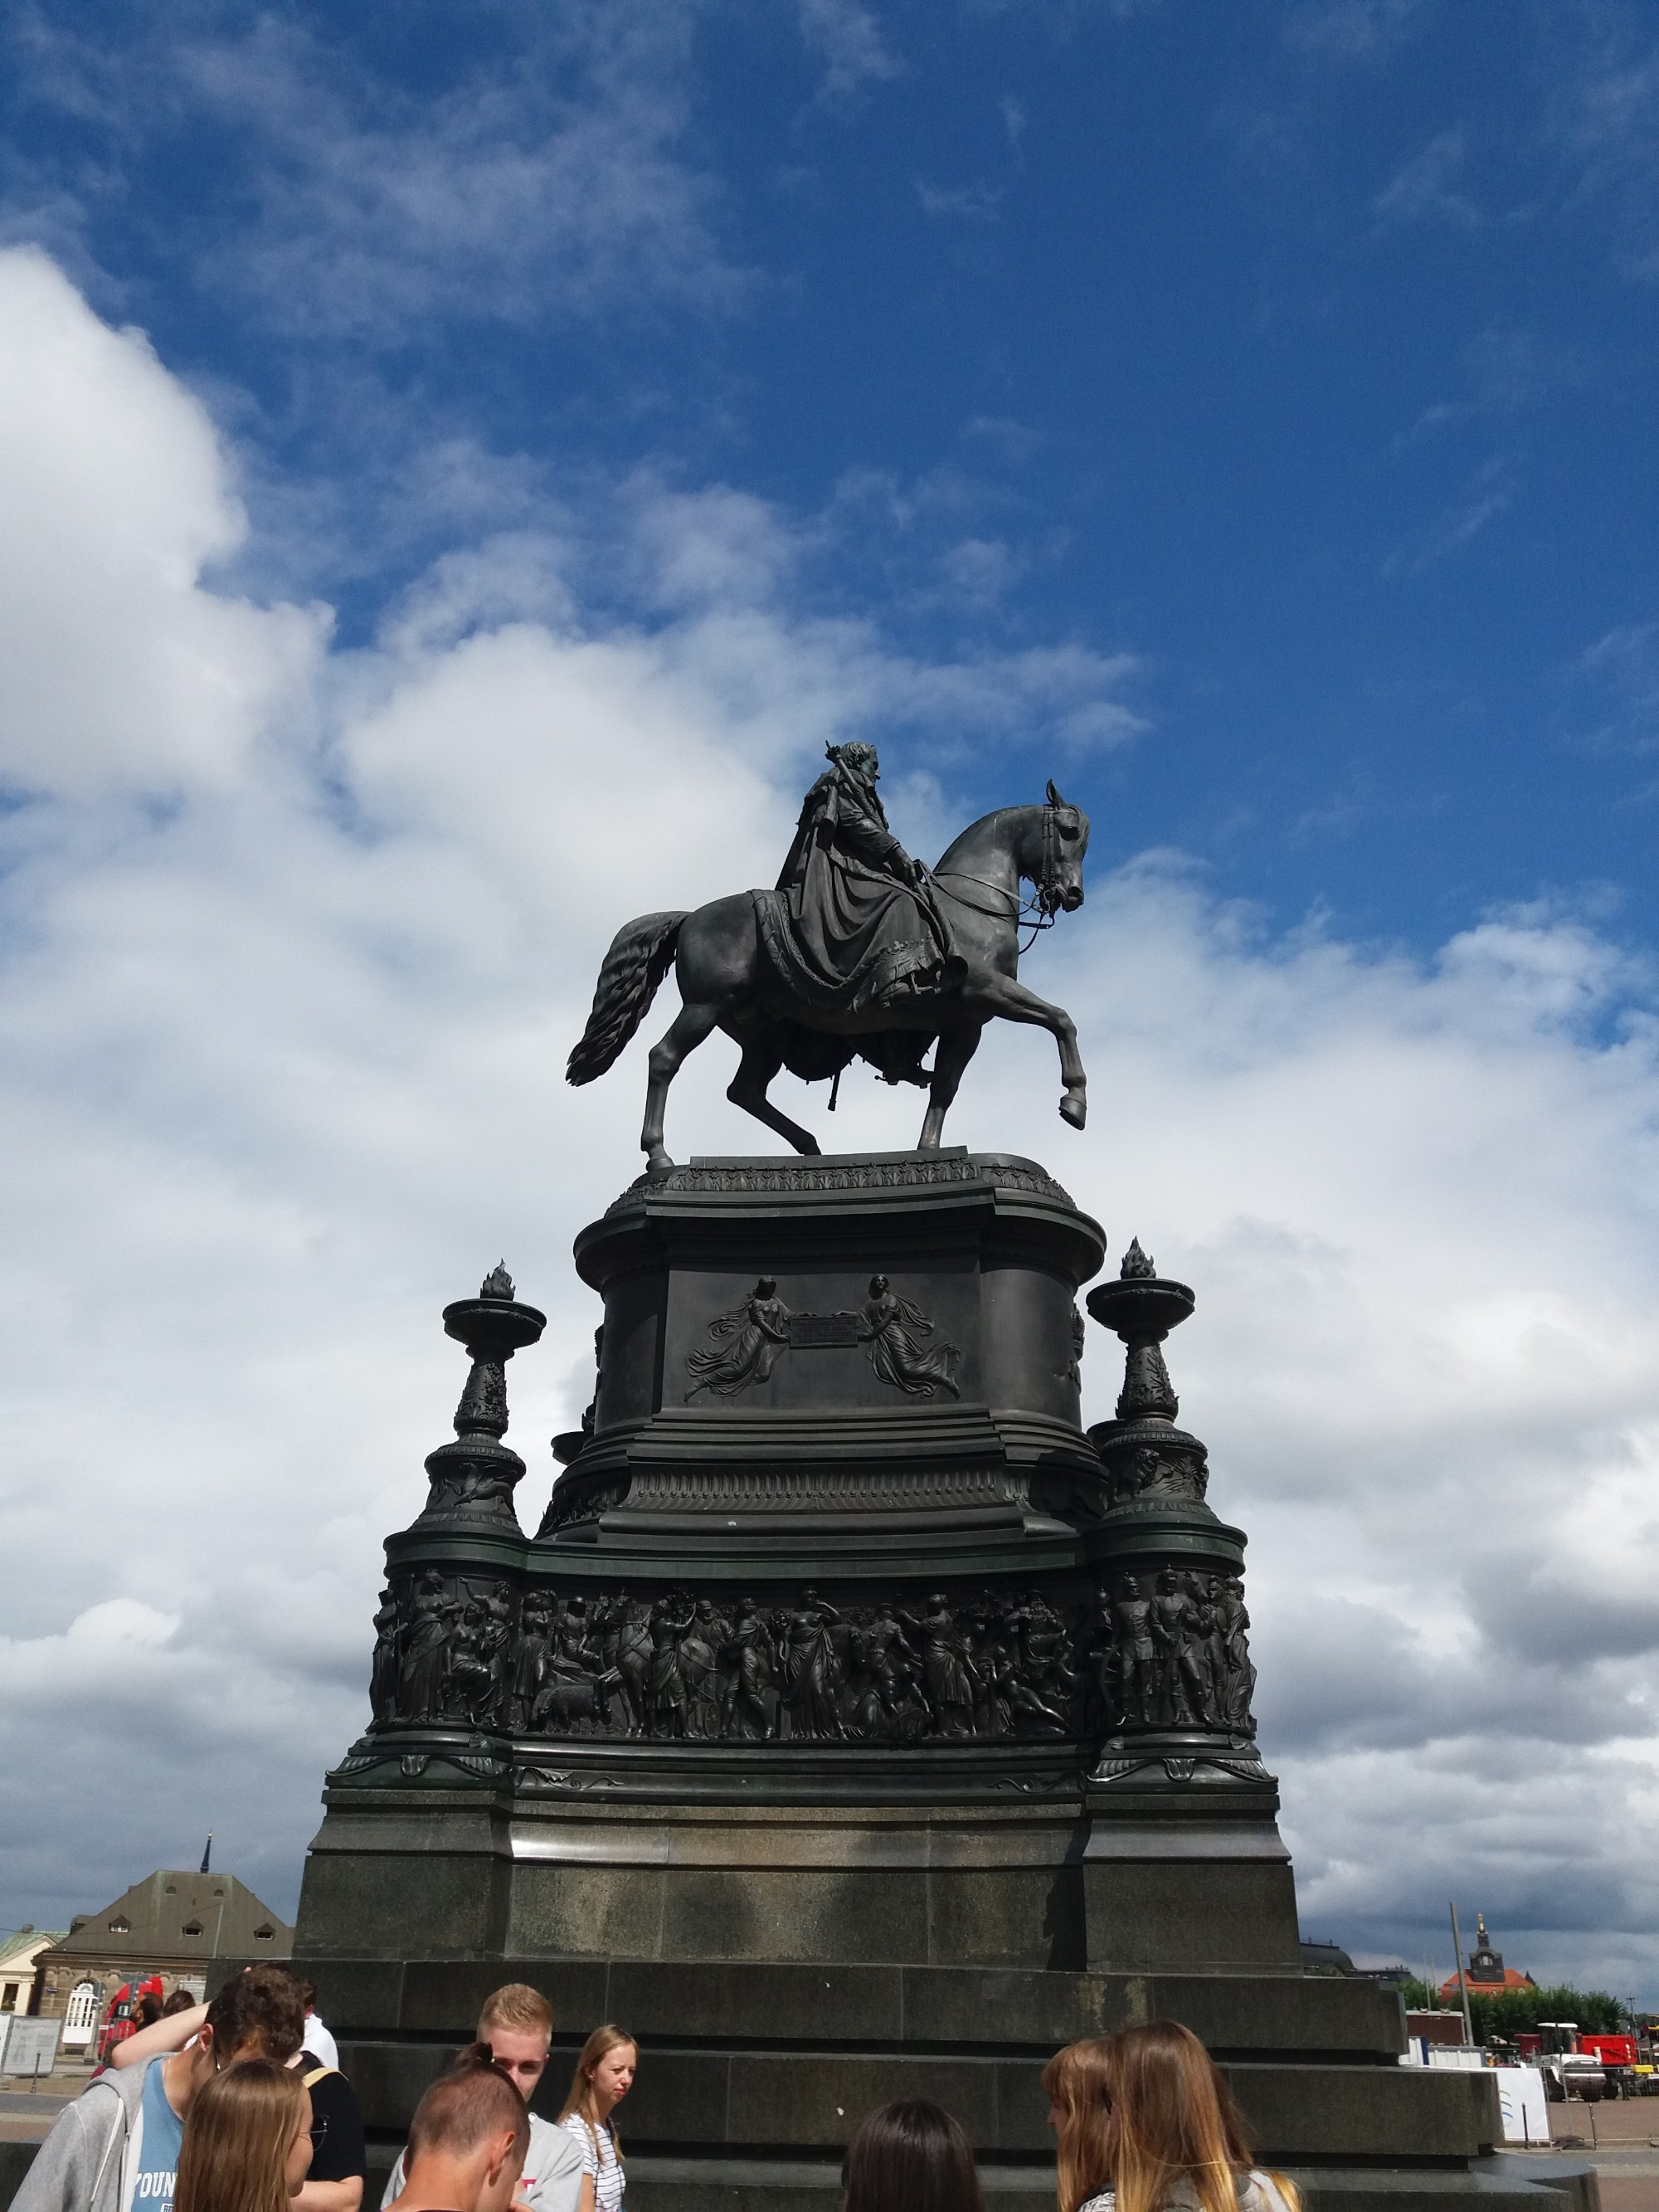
[240,2106]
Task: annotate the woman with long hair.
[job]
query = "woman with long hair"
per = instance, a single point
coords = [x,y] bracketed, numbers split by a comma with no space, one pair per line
[910,2157]
[1146,2123]
[247,2141]
[606,2067]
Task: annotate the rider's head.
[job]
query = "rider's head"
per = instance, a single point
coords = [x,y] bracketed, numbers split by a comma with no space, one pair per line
[861,758]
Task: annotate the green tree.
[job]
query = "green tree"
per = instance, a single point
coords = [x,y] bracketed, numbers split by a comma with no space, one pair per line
[1501,2018]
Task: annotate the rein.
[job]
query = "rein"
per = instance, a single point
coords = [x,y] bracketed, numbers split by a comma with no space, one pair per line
[1038,913]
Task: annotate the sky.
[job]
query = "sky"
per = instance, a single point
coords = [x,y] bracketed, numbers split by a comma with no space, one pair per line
[459,467]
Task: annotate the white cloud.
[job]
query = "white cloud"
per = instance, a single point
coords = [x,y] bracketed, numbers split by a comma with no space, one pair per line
[1352,31]
[1428,187]
[547,178]
[847,40]
[1623,664]
[284,1074]
[975,202]
[115,667]
[1603,114]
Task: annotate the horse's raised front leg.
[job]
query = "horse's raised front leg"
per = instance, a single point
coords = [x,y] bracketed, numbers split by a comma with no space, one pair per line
[761,1059]
[1002,994]
[955,1048]
[686,1033]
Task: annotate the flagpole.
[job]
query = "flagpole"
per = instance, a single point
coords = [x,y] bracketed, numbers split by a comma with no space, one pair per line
[1462,1979]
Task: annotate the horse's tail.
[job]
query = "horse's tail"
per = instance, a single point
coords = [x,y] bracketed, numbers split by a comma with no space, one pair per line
[640,957]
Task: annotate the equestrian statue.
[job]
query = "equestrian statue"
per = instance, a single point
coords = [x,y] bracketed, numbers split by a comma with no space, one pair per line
[861,951]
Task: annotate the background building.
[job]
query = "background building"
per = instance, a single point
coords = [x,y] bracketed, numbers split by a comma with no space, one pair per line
[171,1923]
[1487,1974]
[18,1956]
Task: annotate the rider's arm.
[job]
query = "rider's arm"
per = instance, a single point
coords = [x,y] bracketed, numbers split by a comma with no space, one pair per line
[876,846]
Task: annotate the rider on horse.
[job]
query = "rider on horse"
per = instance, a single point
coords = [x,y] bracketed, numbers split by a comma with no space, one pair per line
[860,950]
[864,927]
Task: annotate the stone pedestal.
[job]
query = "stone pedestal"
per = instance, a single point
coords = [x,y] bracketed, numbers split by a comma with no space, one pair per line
[855,1725]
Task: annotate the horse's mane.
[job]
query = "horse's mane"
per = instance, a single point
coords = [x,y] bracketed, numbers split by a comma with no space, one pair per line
[970,837]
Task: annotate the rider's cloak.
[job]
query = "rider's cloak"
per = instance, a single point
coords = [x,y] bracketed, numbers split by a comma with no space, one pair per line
[863,932]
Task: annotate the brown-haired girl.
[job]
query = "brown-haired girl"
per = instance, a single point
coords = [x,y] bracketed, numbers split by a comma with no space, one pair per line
[603,2076]
[1146,2123]
[910,2157]
[247,2141]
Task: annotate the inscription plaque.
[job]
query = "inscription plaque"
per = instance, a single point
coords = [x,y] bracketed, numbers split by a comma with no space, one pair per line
[822,1332]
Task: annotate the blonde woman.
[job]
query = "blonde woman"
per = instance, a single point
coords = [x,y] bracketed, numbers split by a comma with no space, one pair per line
[604,2075]
[247,2141]
[1145,2124]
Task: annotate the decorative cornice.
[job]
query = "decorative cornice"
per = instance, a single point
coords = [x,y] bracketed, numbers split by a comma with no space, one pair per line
[765,1178]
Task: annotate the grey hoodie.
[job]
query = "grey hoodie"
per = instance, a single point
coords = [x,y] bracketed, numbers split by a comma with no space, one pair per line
[89,2161]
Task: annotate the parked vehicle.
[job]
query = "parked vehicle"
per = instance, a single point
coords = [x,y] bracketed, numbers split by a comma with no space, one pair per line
[1573,2074]
[1618,2055]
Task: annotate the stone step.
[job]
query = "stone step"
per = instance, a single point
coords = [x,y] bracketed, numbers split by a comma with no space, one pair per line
[724,2184]
[716,2185]
[806,2099]
[1013,2010]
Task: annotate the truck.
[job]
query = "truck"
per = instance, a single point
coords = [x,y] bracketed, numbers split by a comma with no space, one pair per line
[1586,2066]
[1617,2056]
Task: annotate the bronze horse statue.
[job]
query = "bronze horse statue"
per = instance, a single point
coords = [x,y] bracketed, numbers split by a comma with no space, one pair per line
[728,981]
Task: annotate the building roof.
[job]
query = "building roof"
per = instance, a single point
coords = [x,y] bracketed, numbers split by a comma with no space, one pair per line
[175,1915]
[18,1952]
[1488,1985]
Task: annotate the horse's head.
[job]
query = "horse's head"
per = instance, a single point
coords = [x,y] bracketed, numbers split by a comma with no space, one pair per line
[1064,841]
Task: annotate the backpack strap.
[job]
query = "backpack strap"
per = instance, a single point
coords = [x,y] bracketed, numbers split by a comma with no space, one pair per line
[317,2073]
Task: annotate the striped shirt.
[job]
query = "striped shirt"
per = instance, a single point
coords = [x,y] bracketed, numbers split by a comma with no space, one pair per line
[599,2160]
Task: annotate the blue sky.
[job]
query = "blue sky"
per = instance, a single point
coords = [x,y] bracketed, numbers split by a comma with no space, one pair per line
[459,465]
[1301,355]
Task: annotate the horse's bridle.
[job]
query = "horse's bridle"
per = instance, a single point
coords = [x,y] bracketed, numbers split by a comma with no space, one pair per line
[1039,912]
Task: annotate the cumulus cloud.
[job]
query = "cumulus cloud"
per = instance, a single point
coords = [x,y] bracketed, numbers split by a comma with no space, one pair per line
[115,666]
[284,1076]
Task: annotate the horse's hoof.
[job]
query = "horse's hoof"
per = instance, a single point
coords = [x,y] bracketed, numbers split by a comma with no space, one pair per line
[657,1166]
[1074,1108]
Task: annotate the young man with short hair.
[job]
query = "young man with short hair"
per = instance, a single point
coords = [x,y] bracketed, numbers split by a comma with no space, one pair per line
[467,2141]
[517,2023]
[319,2040]
[116,2147]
